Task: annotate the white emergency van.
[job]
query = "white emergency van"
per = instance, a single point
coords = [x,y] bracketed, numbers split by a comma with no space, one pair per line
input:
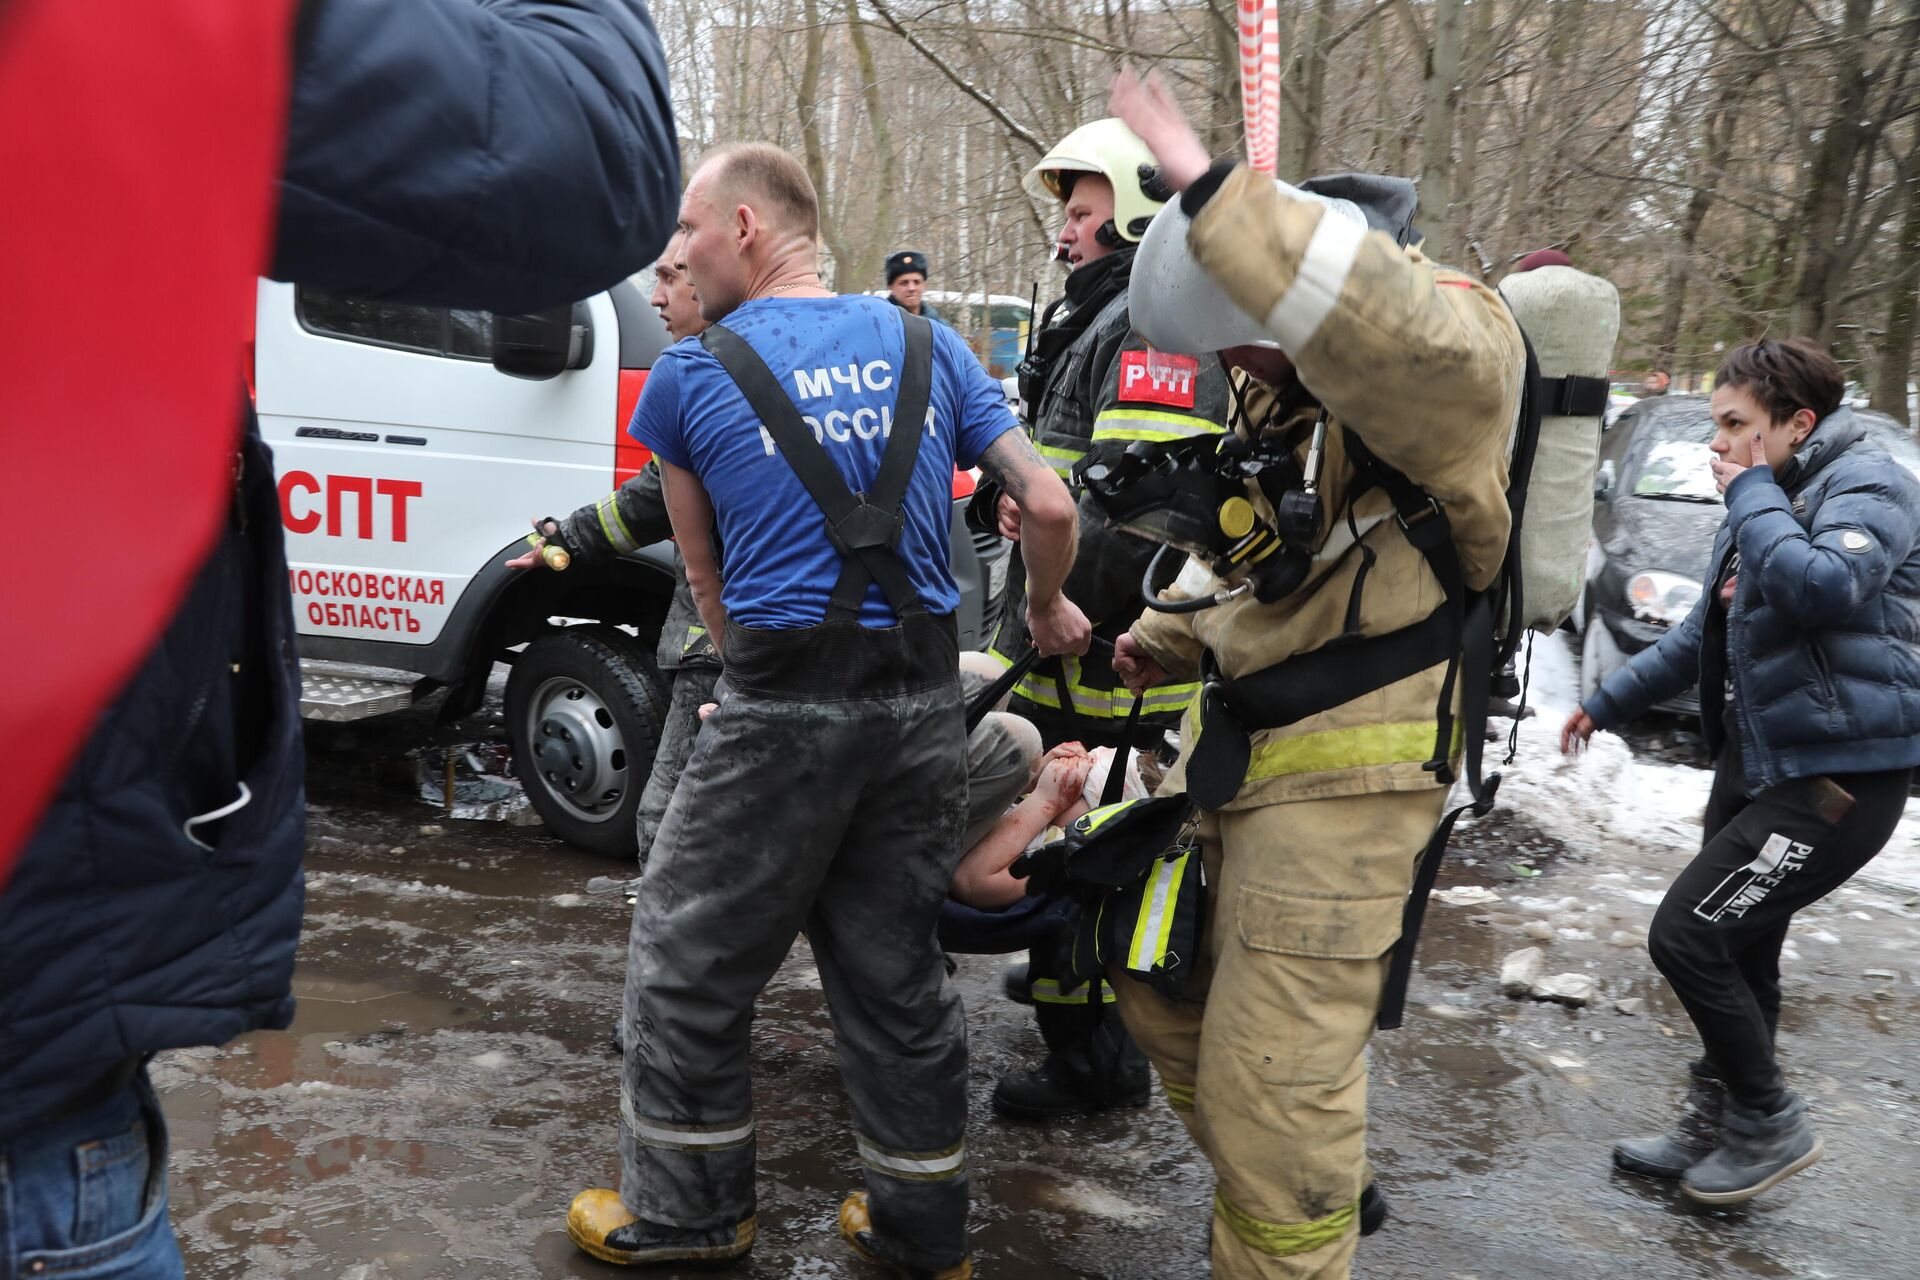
[413,445]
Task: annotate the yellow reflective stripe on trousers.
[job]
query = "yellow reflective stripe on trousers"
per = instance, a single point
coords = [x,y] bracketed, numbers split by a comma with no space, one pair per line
[1401,742]
[1151,424]
[1155,923]
[1284,1239]
[1048,991]
[1179,1096]
[618,534]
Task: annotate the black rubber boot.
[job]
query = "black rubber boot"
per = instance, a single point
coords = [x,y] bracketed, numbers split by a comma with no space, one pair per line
[1058,1088]
[1693,1136]
[1018,984]
[1757,1150]
[1373,1209]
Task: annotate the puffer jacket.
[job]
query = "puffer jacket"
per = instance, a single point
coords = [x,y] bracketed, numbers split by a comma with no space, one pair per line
[1824,625]
[508,155]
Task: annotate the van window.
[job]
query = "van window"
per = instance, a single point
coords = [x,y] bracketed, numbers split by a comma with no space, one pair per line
[433,331]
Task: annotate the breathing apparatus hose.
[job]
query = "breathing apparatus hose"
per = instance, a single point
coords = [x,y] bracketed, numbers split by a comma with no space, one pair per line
[1195,605]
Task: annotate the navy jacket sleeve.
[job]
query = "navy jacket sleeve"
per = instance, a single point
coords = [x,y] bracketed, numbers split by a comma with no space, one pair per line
[1664,670]
[1861,533]
[501,154]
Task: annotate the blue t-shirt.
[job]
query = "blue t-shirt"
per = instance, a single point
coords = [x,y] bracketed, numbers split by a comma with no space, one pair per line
[838,360]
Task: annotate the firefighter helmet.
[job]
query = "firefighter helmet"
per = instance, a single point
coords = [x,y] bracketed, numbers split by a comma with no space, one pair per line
[1106,147]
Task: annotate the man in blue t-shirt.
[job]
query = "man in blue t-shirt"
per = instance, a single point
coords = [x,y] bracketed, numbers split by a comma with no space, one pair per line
[817,435]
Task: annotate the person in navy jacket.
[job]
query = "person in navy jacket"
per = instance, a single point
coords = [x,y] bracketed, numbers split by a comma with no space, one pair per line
[499,154]
[1805,643]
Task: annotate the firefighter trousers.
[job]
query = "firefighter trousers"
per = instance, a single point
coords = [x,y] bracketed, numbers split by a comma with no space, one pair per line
[692,688]
[1265,1060]
[843,818]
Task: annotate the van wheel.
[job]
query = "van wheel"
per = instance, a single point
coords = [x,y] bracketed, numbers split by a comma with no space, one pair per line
[584,712]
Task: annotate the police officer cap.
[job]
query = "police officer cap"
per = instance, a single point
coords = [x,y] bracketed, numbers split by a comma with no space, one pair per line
[904,261]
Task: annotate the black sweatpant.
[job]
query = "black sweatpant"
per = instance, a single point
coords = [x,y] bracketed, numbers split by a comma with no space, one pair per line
[1717,935]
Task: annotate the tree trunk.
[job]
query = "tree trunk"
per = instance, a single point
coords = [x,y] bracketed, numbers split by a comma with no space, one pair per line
[1441,102]
[1896,352]
[807,106]
[1825,203]
[1305,96]
[886,191]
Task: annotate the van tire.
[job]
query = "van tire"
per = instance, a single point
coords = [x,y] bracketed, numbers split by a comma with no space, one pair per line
[584,711]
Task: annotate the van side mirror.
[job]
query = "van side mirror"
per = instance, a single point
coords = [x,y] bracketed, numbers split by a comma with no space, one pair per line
[543,344]
[1603,480]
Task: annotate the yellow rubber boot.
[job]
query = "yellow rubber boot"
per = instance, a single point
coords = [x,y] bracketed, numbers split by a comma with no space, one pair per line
[856,1228]
[599,1223]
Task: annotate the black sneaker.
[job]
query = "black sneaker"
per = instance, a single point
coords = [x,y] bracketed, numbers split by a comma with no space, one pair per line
[1692,1138]
[601,1226]
[1757,1151]
[1018,984]
[1373,1209]
[856,1228]
[1056,1089]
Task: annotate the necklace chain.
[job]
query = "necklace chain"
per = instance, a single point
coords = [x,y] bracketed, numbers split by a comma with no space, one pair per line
[782,288]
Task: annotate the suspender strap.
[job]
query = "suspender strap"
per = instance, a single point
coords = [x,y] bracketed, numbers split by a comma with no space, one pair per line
[1122,757]
[985,700]
[1426,525]
[864,528]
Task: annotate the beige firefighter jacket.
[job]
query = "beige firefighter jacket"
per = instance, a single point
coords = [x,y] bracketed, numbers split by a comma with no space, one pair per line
[1425,365]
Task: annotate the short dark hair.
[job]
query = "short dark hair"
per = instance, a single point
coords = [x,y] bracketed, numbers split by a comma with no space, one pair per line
[1785,375]
[763,170]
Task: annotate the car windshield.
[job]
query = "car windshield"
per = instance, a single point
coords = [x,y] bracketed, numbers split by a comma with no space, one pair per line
[1676,462]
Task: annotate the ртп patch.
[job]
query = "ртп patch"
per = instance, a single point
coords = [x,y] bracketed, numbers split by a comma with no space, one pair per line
[1158,377]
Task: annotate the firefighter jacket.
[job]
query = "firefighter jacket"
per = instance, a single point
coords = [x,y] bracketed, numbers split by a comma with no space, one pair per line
[631,517]
[1104,389]
[1425,366]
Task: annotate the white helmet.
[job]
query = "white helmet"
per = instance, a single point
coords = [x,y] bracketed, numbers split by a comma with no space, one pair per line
[1177,306]
[1110,149]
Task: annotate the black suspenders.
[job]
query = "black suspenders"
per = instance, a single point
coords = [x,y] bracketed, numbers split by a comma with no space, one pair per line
[864,528]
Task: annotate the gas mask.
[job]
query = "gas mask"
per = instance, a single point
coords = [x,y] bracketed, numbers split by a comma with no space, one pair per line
[1191,496]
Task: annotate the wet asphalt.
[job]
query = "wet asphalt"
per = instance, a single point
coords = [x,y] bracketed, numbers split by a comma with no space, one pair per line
[446,1087]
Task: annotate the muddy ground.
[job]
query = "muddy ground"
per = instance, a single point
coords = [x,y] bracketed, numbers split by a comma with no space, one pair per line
[447,1087]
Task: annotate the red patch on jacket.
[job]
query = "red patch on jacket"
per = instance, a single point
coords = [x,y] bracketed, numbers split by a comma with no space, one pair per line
[1158,377]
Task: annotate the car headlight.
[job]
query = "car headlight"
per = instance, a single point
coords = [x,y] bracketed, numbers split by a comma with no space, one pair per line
[1664,598]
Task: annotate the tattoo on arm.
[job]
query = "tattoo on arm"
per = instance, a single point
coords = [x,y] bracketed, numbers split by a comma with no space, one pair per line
[1012,460]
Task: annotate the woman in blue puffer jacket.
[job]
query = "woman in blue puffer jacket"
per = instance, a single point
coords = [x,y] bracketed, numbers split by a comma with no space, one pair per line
[1806,647]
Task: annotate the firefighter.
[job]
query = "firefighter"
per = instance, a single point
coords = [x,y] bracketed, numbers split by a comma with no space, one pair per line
[828,788]
[1089,383]
[1313,828]
[634,516]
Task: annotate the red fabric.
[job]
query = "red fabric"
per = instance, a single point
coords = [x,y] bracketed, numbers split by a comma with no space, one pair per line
[1157,377]
[140,149]
[1543,258]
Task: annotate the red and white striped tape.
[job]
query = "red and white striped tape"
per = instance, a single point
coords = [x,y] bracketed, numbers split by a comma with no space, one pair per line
[1260,80]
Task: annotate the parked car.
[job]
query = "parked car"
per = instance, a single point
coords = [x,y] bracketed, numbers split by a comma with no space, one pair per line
[1655,512]
[413,445]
